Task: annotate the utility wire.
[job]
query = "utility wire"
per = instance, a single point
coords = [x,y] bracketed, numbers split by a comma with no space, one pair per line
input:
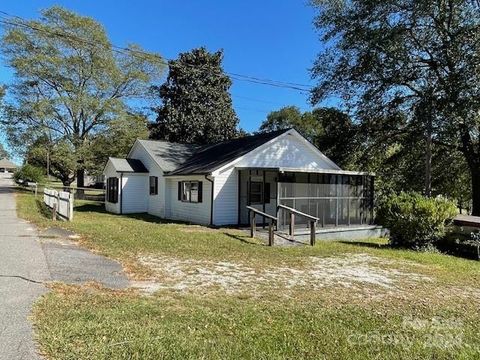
[6,19]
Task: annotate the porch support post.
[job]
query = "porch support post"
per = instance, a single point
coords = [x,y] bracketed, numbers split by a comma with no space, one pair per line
[263,197]
[292,224]
[239,194]
[252,224]
[278,200]
[313,231]
[270,233]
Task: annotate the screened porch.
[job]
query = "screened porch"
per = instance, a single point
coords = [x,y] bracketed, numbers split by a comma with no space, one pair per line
[336,198]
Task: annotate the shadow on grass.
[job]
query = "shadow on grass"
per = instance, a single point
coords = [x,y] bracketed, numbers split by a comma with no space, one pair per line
[243,239]
[43,209]
[90,207]
[100,208]
[367,244]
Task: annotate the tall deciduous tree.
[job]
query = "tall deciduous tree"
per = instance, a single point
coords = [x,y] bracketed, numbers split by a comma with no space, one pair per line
[57,159]
[291,116]
[3,152]
[390,56]
[117,140]
[196,105]
[69,80]
[331,130]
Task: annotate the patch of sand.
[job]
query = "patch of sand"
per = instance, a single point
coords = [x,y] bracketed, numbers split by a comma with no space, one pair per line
[349,271]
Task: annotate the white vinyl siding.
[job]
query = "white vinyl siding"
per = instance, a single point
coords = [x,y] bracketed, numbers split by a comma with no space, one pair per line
[198,213]
[134,193]
[287,151]
[156,203]
[225,209]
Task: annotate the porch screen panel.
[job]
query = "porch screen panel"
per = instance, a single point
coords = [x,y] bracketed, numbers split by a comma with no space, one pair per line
[337,200]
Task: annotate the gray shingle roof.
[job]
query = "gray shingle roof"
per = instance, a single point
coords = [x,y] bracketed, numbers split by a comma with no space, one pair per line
[128,165]
[169,155]
[211,157]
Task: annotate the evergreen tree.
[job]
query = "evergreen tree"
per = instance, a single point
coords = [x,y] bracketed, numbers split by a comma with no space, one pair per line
[196,105]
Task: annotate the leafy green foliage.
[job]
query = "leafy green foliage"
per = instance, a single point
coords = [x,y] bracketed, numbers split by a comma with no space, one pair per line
[338,140]
[69,82]
[29,173]
[196,105]
[406,68]
[331,130]
[59,157]
[116,140]
[415,221]
[3,152]
[292,117]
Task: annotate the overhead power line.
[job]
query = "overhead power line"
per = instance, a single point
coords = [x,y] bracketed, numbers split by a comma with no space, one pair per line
[14,20]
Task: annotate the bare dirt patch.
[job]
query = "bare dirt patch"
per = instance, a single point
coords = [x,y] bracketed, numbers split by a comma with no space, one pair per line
[352,271]
[197,229]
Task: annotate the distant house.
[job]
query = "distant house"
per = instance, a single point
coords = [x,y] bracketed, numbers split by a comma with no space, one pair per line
[214,184]
[7,166]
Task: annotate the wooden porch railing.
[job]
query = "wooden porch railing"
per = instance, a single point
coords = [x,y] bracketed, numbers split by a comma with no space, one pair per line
[253,226]
[274,220]
[312,220]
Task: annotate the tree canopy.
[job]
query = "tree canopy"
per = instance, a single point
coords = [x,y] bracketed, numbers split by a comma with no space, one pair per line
[291,116]
[331,130]
[3,152]
[70,82]
[196,105]
[410,66]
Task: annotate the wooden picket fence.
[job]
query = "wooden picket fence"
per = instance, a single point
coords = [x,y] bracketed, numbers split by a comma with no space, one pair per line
[60,202]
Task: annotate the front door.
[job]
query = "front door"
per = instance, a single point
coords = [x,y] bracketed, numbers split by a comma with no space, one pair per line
[258,190]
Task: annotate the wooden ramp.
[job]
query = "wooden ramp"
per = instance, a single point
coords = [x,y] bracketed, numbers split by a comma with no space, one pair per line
[467,220]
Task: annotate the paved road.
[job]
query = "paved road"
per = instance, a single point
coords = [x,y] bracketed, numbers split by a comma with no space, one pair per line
[23,268]
[28,259]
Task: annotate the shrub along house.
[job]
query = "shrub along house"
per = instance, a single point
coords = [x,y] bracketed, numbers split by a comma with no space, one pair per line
[214,184]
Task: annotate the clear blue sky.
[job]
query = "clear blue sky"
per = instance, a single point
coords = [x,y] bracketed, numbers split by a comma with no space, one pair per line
[272,39]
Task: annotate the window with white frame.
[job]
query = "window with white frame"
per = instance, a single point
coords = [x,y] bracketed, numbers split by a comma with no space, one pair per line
[190,191]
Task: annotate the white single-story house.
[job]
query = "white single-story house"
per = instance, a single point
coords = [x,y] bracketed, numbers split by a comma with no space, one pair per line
[7,166]
[214,184]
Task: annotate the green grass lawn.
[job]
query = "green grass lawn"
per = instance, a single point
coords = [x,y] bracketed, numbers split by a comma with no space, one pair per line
[436,316]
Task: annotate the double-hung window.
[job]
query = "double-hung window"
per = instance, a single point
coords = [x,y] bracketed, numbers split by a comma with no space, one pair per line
[259,193]
[153,185]
[190,191]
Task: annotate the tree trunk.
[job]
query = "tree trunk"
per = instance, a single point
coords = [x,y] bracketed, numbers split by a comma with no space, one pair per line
[80,183]
[428,158]
[475,191]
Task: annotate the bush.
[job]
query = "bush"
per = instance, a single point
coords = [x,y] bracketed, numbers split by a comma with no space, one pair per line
[415,221]
[29,173]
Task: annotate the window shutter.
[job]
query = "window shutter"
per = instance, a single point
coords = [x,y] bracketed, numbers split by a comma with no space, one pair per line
[179,191]
[200,191]
[115,194]
[156,185]
[107,192]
